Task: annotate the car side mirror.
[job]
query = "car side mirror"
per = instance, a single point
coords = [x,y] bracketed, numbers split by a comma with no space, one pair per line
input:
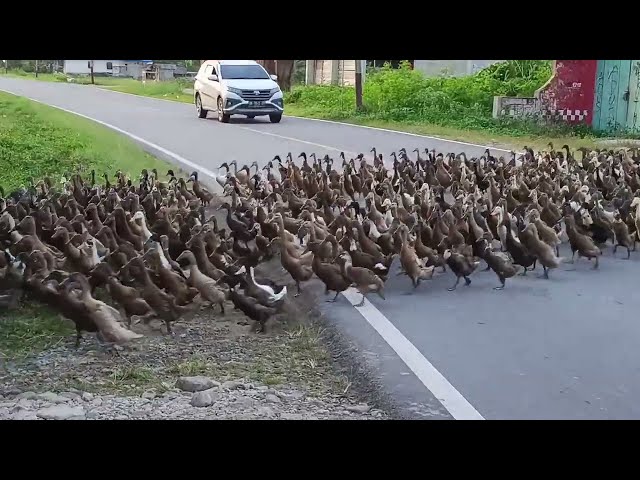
[213,78]
[274,77]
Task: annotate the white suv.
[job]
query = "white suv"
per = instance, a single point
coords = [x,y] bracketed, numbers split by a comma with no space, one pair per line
[237,87]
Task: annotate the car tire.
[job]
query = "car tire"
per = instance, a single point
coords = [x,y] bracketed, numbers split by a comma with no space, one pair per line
[275,118]
[202,113]
[222,117]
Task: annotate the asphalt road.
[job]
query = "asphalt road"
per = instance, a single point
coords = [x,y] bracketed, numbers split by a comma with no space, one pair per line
[564,348]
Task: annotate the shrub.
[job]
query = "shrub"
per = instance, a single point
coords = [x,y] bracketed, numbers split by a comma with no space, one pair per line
[407,95]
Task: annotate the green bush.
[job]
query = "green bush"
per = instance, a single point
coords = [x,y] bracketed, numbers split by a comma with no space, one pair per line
[406,95]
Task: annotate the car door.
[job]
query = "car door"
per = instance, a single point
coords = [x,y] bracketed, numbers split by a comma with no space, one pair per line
[206,90]
[215,87]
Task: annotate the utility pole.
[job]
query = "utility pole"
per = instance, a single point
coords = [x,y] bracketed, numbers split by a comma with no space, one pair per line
[358,85]
[36,68]
[6,66]
[91,69]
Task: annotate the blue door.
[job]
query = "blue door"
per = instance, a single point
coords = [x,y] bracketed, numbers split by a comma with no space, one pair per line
[611,102]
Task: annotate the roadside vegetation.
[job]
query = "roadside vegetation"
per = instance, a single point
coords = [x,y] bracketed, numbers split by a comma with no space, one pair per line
[37,141]
[457,108]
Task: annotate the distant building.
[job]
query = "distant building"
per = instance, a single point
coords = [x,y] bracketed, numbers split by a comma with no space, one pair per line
[117,68]
[342,72]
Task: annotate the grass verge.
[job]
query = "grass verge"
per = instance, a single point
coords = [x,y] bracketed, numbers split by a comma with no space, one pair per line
[37,141]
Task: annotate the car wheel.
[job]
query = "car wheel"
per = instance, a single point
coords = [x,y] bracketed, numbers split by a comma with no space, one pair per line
[202,113]
[275,118]
[222,117]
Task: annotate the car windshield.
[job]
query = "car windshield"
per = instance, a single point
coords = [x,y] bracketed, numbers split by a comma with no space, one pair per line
[237,72]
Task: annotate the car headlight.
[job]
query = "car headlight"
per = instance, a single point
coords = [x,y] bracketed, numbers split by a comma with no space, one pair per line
[274,91]
[237,91]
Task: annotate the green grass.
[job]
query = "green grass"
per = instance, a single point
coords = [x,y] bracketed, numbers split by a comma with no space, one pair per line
[38,140]
[30,330]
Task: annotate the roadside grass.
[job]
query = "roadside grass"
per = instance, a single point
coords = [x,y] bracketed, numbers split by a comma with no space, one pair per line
[30,330]
[37,141]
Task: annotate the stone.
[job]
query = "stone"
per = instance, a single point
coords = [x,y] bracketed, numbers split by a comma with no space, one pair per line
[24,415]
[292,416]
[232,385]
[271,398]
[52,397]
[27,395]
[149,395]
[205,398]
[195,384]
[12,391]
[62,412]
[24,403]
[87,397]
[266,412]
[362,408]
[262,388]
[71,395]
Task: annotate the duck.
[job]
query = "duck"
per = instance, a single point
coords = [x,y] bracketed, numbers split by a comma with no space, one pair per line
[208,288]
[460,265]
[365,280]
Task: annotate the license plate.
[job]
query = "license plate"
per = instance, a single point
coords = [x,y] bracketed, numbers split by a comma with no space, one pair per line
[256,104]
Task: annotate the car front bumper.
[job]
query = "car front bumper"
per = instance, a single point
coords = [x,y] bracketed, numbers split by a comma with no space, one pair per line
[235,105]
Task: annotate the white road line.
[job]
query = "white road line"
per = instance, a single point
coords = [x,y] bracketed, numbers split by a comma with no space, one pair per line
[326,147]
[431,378]
[436,383]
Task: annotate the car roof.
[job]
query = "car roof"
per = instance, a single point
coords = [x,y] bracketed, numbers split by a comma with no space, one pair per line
[238,62]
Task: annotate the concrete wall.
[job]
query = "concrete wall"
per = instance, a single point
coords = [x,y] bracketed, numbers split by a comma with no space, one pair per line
[452,67]
[567,97]
[332,72]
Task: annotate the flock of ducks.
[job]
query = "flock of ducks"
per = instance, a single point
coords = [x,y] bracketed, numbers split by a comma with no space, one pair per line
[438,210]
[109,255]
[149,246]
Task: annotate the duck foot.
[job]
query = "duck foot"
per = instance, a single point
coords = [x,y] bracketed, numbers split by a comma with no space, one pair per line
[455,285]
[467,281]
[487,269]
[361,302]
[595,266]
[500,287]
[334,298]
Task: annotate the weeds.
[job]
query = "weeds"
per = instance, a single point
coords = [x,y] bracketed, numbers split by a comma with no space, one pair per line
[30,330]
[38,141]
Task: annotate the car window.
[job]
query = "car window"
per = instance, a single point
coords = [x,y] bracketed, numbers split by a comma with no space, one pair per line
[236,72]
[213,70]
[207,71]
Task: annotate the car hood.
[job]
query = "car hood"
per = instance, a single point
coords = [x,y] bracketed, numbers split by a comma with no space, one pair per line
[266,84]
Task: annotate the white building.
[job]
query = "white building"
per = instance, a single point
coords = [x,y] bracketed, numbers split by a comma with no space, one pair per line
[342,72]
[118,68]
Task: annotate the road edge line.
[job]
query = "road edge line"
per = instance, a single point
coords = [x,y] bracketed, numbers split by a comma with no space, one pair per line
[450,398]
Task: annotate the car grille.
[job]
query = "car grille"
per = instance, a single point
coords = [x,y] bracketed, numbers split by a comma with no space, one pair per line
[251,95]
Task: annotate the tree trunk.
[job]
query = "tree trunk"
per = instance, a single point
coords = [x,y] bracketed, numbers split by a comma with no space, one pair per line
[282,68]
